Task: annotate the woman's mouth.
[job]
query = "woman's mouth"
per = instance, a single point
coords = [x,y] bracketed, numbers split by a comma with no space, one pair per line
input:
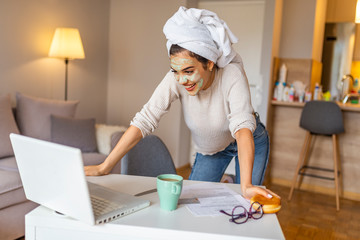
[190,87]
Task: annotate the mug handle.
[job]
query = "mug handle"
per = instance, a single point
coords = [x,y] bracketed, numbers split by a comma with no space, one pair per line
[175,189]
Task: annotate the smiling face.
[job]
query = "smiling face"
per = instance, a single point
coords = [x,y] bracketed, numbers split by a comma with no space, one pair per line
[191,73]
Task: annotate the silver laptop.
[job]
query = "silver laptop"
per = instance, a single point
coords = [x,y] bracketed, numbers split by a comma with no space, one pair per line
[53,176]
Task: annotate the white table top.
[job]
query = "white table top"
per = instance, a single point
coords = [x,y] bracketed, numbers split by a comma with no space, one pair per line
[153,221]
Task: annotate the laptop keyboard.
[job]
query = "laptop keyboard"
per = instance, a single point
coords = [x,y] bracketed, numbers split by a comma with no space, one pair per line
[102,206]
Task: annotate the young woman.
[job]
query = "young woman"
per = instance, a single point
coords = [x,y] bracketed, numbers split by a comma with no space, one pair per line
[208,78]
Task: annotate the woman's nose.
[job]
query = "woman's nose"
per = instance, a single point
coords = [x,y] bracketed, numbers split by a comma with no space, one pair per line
[182,79]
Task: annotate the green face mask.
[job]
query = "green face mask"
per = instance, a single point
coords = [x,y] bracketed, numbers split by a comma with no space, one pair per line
[191,79]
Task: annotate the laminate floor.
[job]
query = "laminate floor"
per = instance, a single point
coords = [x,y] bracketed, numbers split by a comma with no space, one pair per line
[313,216]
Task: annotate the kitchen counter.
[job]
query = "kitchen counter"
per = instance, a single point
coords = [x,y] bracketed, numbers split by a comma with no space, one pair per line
[349,107]
[343,106]
[287,139]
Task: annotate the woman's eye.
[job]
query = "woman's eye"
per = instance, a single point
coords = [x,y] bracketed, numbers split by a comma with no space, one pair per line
[172,70]
[189,72]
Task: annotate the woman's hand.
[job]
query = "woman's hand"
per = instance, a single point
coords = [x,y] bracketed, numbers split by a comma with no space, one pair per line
[95,170]
[251,190]
[128,140]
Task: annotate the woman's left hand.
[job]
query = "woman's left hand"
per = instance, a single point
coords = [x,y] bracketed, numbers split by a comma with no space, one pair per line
[251,190]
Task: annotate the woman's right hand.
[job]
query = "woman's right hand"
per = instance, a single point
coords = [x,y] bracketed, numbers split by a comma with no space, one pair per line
[95,170]
[128,140]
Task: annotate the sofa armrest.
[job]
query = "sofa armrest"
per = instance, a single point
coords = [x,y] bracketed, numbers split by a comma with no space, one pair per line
[104,136]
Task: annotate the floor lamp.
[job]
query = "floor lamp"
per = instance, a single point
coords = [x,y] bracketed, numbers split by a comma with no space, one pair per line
[66,44]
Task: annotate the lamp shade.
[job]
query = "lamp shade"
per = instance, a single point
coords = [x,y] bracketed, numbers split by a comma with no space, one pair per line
[67,44]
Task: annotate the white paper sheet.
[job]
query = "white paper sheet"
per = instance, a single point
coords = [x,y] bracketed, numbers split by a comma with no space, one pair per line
[212,198]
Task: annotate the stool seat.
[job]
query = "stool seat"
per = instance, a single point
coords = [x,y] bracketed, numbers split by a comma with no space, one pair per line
[320,118]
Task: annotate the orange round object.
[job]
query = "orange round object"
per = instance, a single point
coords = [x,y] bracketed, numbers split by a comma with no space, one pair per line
[269,205]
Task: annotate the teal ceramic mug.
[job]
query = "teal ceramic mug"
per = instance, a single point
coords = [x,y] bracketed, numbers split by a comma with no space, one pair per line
[169,188]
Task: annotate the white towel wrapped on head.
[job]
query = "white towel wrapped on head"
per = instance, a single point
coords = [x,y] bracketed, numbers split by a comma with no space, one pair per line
[202,32]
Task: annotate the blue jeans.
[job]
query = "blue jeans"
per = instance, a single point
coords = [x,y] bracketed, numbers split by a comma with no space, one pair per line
[212,167]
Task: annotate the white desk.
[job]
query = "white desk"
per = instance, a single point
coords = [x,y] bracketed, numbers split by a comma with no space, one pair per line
[149,223]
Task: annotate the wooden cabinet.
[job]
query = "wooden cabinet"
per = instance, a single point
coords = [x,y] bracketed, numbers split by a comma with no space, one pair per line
[340,11]
[356,56]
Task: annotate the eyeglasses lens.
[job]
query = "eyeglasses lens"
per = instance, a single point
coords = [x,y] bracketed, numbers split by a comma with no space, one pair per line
[239,215]
[256,211]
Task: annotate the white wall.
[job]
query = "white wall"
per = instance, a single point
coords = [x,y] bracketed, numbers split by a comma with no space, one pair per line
[297,29]
[27,28]
[303,28]
[246,21]
[138,61]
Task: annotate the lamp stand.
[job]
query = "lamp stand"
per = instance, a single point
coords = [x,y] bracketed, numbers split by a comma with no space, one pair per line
[66,77]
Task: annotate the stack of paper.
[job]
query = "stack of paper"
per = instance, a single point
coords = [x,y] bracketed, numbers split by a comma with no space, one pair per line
[213,198]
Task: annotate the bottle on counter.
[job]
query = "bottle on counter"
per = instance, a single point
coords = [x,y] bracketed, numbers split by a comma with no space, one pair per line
[280,93]
[276,95]
[282,73]
[317,92]
[285,95]
[356,85]
[308,96]
[291,93]
[327,96]
[301,97]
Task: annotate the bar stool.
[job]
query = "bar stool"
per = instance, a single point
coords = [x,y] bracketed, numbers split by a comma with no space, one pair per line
[320,118]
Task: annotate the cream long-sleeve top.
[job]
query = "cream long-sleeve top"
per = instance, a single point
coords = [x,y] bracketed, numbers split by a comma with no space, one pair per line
[213,115]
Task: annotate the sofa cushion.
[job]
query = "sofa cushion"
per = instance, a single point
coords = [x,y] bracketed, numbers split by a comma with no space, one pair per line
[11,191]
[33,114]
[12,220]
[79,133]
[8,164]
[7,126]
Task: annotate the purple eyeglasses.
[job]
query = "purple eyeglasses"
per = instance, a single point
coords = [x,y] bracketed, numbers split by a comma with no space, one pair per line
[240,215]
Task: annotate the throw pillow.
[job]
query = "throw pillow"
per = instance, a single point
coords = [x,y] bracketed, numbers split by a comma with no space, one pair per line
[79,133]
[7,126]
[33,114]
[103,136]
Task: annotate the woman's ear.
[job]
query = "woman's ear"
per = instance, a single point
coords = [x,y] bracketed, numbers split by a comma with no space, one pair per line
[210,65]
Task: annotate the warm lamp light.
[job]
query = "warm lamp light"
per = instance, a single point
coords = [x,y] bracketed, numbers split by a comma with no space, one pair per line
[357,13]
[66,44]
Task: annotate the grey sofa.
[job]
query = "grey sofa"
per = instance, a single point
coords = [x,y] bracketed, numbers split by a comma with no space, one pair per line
[13,203]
